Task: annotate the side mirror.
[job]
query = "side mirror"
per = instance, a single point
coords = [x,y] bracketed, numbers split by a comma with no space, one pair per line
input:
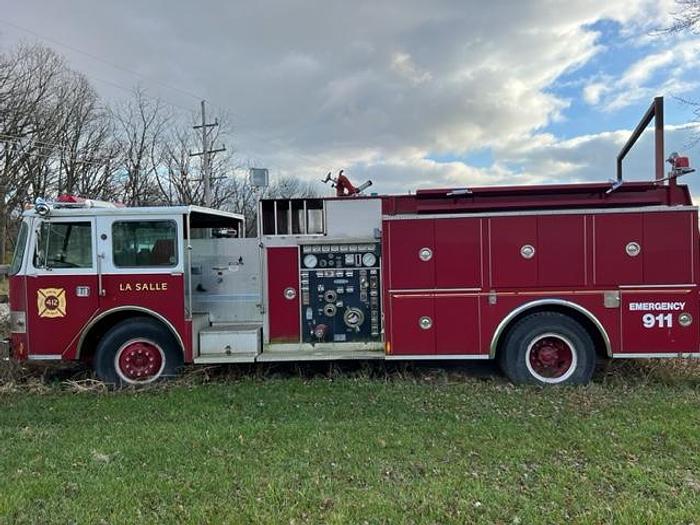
[4,269]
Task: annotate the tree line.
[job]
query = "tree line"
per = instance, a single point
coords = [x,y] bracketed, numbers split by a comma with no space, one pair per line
[57,135]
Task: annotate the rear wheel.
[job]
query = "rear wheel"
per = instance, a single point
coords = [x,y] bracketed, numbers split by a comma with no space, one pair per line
[136,352]
[548,348]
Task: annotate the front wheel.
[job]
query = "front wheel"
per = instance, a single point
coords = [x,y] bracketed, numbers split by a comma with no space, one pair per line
[548,348]
[136,352]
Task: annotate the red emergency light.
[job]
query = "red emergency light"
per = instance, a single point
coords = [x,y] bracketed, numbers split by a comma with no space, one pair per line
[70,199]
[679,166]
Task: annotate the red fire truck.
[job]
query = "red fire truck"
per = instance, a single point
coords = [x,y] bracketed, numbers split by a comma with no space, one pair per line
[545,279]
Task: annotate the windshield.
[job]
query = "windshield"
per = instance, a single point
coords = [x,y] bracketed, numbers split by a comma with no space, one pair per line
[19,249]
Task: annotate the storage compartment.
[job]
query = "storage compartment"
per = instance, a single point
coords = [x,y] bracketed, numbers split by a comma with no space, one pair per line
[227,340]
[560,250]
[283,294]
[659,322]
[411,244]
[429,324]
[426,254]
[458,253]
[457,326]
[292,216]
[412,319]
[514,252]
[615,260]
[668,247]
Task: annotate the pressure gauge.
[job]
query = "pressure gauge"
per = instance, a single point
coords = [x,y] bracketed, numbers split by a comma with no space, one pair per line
[310,261]
[369,259]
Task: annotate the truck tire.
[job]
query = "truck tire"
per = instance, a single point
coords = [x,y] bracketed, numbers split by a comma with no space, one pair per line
[137,352]
[548,348]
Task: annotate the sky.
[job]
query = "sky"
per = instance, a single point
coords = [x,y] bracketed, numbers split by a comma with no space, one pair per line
[410,94]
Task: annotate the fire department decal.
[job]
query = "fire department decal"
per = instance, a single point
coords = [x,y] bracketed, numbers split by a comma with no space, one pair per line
[51,302]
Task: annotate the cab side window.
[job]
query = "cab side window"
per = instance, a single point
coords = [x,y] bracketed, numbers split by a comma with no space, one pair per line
[144,244]
[64,245]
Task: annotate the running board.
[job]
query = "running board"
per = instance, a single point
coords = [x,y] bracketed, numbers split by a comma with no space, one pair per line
[222,359]
[318,355]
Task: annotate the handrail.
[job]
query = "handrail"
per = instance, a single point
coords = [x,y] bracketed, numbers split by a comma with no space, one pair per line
[655,113]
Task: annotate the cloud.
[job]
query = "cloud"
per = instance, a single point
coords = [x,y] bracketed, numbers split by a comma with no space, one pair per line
[378,88]
[403,64]
[545,160]
[665,71]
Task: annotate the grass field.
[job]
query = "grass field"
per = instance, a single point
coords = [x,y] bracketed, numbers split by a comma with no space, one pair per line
[423,446]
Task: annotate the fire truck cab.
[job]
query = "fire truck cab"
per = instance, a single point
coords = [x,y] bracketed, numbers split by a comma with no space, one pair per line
[545,279]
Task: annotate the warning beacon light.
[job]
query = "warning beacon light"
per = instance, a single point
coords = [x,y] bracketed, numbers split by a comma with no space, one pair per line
[679,165]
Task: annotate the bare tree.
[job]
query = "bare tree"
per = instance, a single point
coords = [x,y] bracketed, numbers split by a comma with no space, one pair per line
[291,187]
[58,136]
[686,17]
[29,90]
[185,179]
[140,125]
[86,152]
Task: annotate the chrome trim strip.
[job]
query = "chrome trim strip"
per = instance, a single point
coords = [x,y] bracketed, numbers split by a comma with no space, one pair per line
[434,290]
[641,286]
[44,357]
[94,320]
[657,355]
[437,357]
[547,302]
[581,211]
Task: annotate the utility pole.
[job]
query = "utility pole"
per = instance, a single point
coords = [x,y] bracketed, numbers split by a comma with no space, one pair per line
[206,152]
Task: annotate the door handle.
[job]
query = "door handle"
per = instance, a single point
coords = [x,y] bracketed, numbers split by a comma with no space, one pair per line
[100,290]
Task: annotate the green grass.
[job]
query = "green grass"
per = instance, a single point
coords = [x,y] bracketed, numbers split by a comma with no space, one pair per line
[415,448]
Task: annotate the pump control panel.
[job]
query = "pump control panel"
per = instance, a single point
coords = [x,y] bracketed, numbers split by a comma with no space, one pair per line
[340,293]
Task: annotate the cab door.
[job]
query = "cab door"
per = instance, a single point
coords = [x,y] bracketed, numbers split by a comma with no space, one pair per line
[62,292]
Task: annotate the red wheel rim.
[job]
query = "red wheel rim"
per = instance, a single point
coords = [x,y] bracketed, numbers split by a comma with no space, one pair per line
[551,358]
[139,361]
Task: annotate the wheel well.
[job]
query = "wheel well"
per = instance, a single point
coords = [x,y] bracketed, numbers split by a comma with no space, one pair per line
[585,321]
[86,348]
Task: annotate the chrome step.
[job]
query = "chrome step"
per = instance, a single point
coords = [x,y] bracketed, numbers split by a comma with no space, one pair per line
[318,355]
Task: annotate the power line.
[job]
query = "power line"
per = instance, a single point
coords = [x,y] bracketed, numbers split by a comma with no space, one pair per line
[131,90]
[265,138]
[100,59]
[16,139]
[94,160]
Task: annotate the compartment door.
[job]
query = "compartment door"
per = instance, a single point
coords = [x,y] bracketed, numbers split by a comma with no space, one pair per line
[411,261]
[457,327]
[561,253]
[613,237]
[412,325]
[510,238]
[652,321]
[458,253]
[668,247]
[283,294]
